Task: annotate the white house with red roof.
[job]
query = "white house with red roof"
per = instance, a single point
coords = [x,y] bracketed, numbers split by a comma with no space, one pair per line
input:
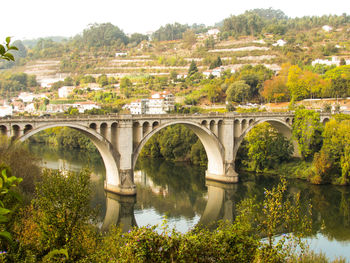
[158,103]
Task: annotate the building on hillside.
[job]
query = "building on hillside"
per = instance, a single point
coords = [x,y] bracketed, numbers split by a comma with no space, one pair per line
[65,91]
[26,97]
[158,103]
[6,111]
[56,108]
[280,43]
[47,82]
[30,108]
[181,76]
[85,105]
[216,72]
[161,103]
[333,61]
[18,106]
[137,107]
[121,54]
[327,28]
[213,32]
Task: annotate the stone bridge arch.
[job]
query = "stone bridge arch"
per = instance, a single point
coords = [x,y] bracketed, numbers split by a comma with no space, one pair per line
[211,143]
[280,125]
[108,153]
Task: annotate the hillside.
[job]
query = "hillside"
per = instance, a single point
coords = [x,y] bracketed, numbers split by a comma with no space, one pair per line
[251,48]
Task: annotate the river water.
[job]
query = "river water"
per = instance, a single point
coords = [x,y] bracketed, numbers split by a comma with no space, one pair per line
[180,193]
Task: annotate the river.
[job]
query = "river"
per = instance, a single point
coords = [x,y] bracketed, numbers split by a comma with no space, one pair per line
[180,193]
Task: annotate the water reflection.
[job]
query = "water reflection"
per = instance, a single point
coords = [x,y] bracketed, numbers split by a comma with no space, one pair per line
[219,206]
[120,211]
[180,192]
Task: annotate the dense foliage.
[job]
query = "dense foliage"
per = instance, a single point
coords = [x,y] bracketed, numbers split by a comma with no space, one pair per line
[11,84]
[176,143]
[331,164]
[307,130]
[266,148]
[259,21]
[64,138]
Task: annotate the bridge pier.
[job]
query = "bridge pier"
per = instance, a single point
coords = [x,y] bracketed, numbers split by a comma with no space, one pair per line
[229,177]
[126,186]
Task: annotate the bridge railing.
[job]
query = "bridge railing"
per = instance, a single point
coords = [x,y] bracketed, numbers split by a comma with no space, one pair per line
[147,116]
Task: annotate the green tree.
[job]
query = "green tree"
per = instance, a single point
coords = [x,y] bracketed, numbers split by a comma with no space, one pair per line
[267,147]
[298,89]
[307,130]
[216,63]
[105,34]
[125,86]
[102,80]
[63,214]
[238,91]
[189,38]
[192,69]
[332,163]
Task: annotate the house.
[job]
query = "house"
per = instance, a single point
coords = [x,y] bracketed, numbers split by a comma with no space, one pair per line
[64,91]
[333,61]
[85,105]
[30,108]
[216,72]
[26,97]
[5,111]
[181,76]
[213,32]
[327,28]
[121,54]
[54,108]
[161,103]
[137,107]
[47,82]
[279,43]
[158,103]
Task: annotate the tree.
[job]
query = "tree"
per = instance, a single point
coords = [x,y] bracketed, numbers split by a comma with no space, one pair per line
[297,88]
[189,38]
[267,147]
[105,34]
[68,81]
[275,89]
[214,91]
[216,63]
[193,68]
[125,86]
[5,50]
[238,91]
[307,130]
[62,212]
[332,163]
[342,62]
[102,80]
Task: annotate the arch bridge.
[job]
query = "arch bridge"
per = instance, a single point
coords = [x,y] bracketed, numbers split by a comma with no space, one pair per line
[120,138]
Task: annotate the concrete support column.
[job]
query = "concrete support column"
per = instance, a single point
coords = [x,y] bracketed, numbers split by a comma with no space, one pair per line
[228,140]
[125,149]
[109,133]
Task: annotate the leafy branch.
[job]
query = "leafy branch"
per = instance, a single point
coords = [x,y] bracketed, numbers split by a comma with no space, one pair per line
[5,50]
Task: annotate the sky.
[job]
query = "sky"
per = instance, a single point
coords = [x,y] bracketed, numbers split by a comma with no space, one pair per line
[28,19]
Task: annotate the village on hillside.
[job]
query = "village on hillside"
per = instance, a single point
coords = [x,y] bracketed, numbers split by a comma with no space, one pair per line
[193,69]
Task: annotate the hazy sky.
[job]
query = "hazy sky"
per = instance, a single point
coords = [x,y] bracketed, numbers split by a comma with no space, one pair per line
[25,19]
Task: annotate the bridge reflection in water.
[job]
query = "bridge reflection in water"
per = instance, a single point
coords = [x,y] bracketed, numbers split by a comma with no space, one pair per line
[220,206]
